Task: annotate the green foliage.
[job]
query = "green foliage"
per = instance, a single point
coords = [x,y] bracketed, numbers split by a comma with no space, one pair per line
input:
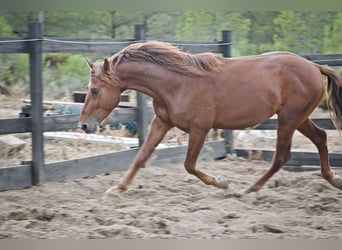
[240,27]
[301,32]
[74,65]
[76,24]
[63,77]
[332,38]
[5,28]
[52,60]
[252,31]
[19,20]
[62,74]
[161,26]
[195,25]
[16,72]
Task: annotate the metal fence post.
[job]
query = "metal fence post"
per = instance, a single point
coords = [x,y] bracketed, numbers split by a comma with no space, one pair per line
[139,35]
[36,90]
[226,52]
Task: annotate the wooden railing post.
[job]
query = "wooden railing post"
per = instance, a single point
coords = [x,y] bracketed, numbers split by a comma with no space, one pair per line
[226,52]
[139,35]
[36,90]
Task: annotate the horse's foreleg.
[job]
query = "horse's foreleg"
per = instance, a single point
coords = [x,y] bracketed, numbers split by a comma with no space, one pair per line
[319,138]
[196,140]
[156,133]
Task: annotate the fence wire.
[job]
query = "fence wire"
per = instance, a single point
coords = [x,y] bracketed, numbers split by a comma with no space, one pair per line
[114,42]
[176,43]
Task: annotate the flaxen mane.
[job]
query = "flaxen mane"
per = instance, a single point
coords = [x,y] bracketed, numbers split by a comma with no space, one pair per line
[170,57]
[105,76]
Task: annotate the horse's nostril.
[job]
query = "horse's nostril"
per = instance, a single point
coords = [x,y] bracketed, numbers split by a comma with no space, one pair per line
[84,127]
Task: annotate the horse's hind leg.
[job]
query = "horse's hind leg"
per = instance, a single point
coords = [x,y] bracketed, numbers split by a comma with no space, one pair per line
[319,137]
[196,140]
[281,155]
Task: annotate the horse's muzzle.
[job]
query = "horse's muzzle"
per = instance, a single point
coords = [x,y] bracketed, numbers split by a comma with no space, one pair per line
[89,127]
[84,127]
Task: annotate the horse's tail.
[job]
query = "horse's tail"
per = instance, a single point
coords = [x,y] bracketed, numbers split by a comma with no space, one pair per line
[334,94]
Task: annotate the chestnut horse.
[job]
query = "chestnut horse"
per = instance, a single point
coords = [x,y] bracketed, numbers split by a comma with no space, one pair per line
[198,92]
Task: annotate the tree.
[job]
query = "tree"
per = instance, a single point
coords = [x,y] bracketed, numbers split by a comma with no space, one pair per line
[195,25]
[332,41]
[5,28]
[301,32]
[82,24]
[240,27]
[252,31]
[161,26]
[19,20]
[260,35]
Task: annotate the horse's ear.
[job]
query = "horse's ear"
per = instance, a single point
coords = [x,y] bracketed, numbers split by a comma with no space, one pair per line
[105,65]
[89,63]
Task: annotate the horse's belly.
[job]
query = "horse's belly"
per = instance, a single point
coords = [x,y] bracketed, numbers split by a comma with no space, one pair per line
[241,122]
[244,115]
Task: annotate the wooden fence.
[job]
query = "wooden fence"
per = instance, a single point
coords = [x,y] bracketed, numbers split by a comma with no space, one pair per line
[298,158]
[36,171]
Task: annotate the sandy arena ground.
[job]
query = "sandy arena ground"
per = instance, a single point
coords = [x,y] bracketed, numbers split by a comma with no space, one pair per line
[165,202]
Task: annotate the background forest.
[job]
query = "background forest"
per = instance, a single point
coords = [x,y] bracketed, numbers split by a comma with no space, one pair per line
[252,32]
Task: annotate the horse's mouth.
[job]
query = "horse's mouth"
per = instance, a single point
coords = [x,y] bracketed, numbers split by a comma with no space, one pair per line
[91,126]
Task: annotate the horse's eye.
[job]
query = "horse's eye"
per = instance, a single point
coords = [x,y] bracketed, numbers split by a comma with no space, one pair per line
[95,91]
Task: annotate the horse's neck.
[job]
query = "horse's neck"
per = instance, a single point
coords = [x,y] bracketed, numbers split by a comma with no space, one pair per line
[151,81]
[145,87]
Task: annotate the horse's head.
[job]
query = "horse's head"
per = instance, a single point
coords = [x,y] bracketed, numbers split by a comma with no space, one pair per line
[103,95]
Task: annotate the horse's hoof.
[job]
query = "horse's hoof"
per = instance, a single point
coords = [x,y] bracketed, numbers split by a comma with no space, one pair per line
[221,182]
[337,181]
[252,189]
[113,192]
[247,191]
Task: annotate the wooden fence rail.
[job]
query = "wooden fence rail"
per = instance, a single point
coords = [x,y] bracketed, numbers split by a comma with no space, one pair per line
[14,177]
[66,122]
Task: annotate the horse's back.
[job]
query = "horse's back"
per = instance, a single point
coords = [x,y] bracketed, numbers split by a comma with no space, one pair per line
[252,89]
